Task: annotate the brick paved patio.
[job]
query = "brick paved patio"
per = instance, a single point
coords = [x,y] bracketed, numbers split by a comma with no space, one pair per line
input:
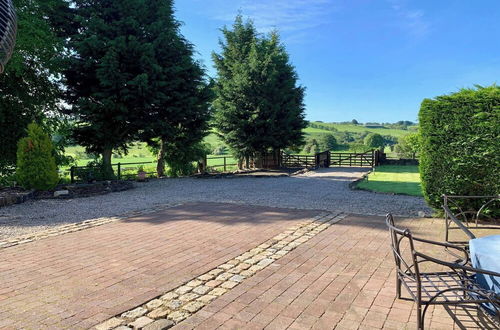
[80,279]
[342,278]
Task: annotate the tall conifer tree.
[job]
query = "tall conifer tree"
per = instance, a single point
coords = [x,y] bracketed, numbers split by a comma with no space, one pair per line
[178,96]
[258,106]
[109,73]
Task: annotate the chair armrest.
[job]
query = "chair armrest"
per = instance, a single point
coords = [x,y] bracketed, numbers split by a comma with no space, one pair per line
[456,266]
[458,222]
[466,258]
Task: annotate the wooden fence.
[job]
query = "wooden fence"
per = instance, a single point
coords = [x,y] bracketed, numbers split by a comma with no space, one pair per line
[90,173]
[365,159]
[221,162]
[328,159]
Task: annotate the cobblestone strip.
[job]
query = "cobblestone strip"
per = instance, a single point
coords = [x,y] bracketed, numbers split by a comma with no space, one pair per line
[73,227]
[175,306]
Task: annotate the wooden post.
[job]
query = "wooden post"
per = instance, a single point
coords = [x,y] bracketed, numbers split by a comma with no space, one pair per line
[72,174]
[119,171]
[225,164]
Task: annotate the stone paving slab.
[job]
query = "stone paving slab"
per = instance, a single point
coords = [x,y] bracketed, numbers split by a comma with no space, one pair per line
[343,278]
[80,279]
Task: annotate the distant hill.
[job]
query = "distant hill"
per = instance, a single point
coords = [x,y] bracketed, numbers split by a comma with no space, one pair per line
[321,127]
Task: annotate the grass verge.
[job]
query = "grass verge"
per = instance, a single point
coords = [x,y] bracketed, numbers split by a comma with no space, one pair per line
[394,179]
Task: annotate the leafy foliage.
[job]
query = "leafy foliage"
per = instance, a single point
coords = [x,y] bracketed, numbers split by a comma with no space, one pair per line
[36,166]
[460,148]
[29,86]
[109,76]
[408,146]
[180,158]
[258,105]
[179,96]
[374,140]
[328,142]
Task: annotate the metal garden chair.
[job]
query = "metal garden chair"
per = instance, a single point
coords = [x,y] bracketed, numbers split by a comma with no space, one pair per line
[456,217]
[455,285]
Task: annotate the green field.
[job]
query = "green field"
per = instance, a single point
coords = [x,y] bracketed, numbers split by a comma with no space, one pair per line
[139,152]
[358,129]
[393,179]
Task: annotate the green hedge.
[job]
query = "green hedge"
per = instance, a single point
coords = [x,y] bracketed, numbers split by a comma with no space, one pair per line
[460,144]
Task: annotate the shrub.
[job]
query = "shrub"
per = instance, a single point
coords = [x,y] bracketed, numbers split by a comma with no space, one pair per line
[36,165]
[180,159]
[94,171]
[328,142]
[460,148]
[374,140]
[408,146]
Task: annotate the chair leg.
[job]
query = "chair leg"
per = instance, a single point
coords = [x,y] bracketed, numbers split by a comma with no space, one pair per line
[398,287]
[420,316]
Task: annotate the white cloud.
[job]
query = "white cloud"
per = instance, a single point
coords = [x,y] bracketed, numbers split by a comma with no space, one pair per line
[411,20]
[285,15]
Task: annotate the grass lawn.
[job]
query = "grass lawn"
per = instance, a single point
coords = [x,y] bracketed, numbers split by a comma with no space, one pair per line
[394,179]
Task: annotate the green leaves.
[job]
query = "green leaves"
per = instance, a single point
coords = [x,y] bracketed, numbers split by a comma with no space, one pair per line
[460,144]
[36,166]
[30,84]
[258,105]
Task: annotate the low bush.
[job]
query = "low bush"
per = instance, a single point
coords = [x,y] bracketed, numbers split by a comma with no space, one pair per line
[460,144]
[36,165]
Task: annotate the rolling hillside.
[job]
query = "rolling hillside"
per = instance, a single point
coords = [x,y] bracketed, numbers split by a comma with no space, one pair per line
[138,152]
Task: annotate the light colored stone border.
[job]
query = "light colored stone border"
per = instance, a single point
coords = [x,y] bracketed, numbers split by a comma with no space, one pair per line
[178,304]
[73,227]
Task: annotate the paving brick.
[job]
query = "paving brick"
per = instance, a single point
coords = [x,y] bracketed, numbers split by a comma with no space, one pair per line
[121,265]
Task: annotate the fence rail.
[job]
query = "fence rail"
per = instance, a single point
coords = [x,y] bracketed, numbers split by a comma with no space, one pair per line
[227,161]
[90,173]
[296,161]
[365,159]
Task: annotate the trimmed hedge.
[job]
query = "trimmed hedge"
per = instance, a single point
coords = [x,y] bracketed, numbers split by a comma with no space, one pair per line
[460,144]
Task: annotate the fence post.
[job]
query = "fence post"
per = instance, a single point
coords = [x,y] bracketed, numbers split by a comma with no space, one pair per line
[72,174]
[225,164]
[328,158]
[119,171]
[205,164]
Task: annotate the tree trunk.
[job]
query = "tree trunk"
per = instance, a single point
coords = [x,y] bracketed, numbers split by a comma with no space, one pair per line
[160,166]
[247,162]
[106,164]
[240,164]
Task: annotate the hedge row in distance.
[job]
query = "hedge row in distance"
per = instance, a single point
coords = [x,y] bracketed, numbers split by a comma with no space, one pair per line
[460,140]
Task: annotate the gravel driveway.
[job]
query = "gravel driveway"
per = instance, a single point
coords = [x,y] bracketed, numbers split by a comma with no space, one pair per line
[325,189]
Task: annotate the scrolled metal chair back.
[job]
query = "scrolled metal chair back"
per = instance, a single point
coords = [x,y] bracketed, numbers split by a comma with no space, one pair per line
[407,266]
[8,30]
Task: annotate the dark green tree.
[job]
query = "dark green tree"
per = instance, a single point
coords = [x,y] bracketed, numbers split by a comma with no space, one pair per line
[109,75]
[258,105]
[234,111]
[29,87]
[328,142]
[374,140]
[178,110]
[281,96]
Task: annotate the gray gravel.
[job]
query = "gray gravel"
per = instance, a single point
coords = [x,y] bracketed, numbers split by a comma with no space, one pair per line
[325,189]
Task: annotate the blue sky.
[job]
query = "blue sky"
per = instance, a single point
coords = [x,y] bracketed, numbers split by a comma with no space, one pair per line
[372,60]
